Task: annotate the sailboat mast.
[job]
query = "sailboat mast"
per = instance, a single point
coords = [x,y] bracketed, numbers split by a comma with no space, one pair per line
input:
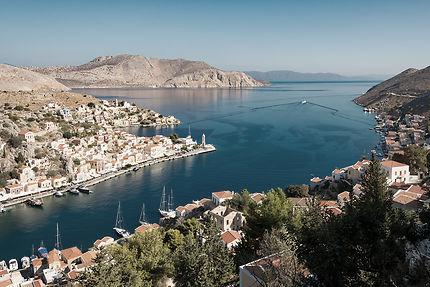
[58,239]
[142,214]
[118,216]
[171,199]
[163,199]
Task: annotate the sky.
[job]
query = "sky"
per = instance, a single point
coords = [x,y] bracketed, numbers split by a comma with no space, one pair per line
[339,36]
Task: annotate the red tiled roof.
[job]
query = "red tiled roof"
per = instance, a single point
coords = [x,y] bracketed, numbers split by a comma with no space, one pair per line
[6,283]
[230,236]
[146,227]
[71,253]
[392,163]
[223,194]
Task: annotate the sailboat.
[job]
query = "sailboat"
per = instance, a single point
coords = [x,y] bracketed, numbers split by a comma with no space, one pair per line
[166,205]
[142,218]
[119,229]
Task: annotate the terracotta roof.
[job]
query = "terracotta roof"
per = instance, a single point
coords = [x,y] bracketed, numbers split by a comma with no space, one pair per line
[6,283]
[38,283]
[146,227]
[73,274]
[3,272]
[335,210]
[223,194]
[392,163]
[53,256]
[328,203]
[416,189]
[258,197]
[230,236]
[36,262]
[89,257]
[344,195]
[71,253]
[299,201]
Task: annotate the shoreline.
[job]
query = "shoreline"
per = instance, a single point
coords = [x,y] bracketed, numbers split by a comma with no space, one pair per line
[91,182]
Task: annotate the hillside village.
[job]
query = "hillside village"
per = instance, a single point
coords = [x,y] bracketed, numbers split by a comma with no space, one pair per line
[58,146]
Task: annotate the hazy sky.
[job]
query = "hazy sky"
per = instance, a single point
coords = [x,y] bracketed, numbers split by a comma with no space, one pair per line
[348,37]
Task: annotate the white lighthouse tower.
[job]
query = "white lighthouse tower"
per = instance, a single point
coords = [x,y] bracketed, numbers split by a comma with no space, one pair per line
[203,140]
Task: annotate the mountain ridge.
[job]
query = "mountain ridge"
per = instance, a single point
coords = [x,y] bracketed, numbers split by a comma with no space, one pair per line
[139,71]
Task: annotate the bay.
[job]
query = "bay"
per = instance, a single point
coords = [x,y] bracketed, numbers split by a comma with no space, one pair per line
[264,137]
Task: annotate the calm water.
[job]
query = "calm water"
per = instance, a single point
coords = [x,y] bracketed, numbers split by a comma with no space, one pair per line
[264,138]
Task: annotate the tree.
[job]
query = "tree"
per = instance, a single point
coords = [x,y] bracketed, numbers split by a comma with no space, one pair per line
[76,161]
[20,158]
[362,247]
[242,201]
[142,261]
[284,269]
[203,260]
[294,190]
[173,238]
[15,141]
[414,156]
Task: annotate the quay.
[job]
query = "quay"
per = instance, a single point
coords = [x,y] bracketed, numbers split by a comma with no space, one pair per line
[50,192]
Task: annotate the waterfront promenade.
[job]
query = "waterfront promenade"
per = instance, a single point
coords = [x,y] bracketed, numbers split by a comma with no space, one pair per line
[50,192]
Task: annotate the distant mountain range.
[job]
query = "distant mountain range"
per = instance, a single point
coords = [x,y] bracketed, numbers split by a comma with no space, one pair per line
[291,76]
[139,71]
[407,92]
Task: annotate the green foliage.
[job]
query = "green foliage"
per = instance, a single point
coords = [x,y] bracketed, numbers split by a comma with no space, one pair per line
[190,226]
[294,190]
[4,134]
[91,105]
[76,161]
[20,158]
[19,108]
[67,134]
[203,262]
[414,156]
[362,247]
[52,173]
[173,238]
[15,141]
[242,201]
[174,137]
[142,261]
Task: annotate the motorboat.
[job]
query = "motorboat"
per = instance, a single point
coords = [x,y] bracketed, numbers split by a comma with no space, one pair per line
[2,209]
[304,102]
[58,193]
[25,262]
[74,191]
[13,265]
[84,189]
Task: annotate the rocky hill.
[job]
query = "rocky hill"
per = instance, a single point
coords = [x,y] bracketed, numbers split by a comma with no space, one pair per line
[140,71]
[408,91]
[18,79]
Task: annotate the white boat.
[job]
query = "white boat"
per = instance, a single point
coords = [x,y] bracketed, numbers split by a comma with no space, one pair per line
[74,191]
[13,265]
[166,205]
[119,229]
[3,265]
[25,262]
[2,209]
[304,102]
[142,218]
[58,193]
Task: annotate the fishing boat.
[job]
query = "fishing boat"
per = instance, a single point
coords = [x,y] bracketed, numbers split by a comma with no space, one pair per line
[2,209]
[119,229]
[74,190]
[58,193]
[13,265]
[33,202]
[84,189]
[166,204]
[142,218]
[25,262]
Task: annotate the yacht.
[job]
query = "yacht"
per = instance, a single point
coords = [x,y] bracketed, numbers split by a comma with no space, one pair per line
[58,193]
[119,229]
[13,265]
[166,204]
[74,191]
[25,262]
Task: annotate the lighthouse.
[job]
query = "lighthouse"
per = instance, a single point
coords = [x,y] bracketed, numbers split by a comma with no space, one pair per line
[203,140]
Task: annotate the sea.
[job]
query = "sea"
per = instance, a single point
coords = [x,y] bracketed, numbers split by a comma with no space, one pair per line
[265,137]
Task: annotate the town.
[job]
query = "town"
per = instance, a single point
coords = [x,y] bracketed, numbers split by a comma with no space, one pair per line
[47,152]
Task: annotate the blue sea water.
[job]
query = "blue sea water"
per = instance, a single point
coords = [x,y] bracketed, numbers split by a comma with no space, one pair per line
[264,138]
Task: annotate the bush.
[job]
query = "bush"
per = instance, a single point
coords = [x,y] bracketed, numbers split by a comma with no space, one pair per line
[15,141]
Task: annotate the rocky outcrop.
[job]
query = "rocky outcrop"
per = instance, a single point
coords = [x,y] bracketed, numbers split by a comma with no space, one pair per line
[18,79]
[140,71]
[411,82]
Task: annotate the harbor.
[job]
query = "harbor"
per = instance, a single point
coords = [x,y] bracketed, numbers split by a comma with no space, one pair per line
[254,150]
